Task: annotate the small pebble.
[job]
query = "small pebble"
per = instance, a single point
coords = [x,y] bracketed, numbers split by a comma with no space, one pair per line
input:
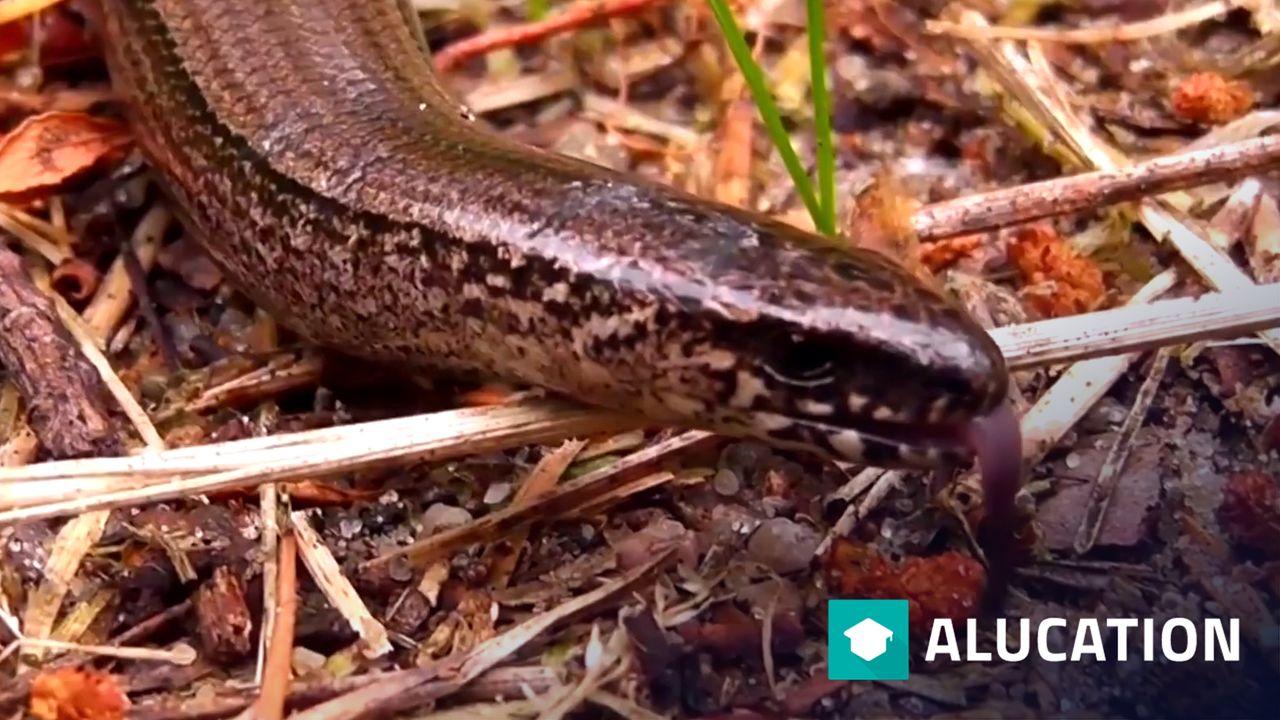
[400,570]
[783,545]
[349,527]
[726,482]
[744,458]
[497,493]
[307,661]
[440,517]
[775,506]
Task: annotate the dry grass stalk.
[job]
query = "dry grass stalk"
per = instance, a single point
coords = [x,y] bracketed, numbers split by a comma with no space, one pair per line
[1127,32]
[415,687]
[268,510]
[543,477]
[132,410]
[115,295]
[1081,386]
[428,437]
[605,663]
[626,117]
[337,588]
[281,374]
[500,94]
[567,498]
[39,243]
[1140,326]
[618,494]
[623,707]
[74,539]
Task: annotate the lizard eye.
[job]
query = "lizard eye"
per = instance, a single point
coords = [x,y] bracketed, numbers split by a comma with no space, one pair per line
[801,362]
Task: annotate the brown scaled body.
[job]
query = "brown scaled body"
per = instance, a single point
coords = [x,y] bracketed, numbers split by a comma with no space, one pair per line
[314,153]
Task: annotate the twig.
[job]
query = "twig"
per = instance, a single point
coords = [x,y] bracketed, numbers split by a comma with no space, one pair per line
[1104,484]
[177,655]
[582,13]
[1060,196]
[138,280]
[276,672]
[64,396]
[283,373]
[878,483]
[501,682]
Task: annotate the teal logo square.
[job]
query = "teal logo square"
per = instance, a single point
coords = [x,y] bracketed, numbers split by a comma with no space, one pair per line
[867,640]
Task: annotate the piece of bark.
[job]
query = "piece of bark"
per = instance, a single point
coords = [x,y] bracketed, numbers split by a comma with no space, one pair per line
[222,615]
[65,396]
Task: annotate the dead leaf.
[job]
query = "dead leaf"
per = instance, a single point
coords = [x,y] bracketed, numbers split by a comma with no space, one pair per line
[49,149]
[1129,518]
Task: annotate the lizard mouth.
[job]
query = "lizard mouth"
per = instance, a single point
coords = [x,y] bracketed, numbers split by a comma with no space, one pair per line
[994,440]
[885,444]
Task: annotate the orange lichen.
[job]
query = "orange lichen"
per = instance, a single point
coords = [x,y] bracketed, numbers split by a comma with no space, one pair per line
[948,585]
[1059,280]
[1208,97]
[938,255]
[75,694]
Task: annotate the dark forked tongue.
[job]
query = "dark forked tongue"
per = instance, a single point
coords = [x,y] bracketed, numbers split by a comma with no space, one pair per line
[996,441]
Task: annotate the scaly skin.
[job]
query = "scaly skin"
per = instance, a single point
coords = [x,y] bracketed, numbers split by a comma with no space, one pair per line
[311,149]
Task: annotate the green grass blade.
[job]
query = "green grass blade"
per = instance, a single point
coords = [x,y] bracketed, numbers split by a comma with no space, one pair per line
[822,119]
[769,113]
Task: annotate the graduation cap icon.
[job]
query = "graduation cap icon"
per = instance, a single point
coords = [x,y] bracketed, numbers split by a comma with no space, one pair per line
[868,639]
